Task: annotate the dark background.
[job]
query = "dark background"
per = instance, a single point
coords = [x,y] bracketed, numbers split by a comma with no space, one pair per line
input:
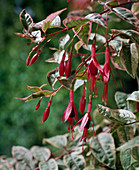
[19,124]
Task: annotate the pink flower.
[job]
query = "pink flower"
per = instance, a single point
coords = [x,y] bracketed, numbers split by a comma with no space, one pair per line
[46,112]
[93,68]
[70,112]
[83,101]
[106,75]
[61,65]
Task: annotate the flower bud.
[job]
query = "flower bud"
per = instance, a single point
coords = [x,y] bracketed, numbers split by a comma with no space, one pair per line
[61,65]
[38,105]
[68,68]
[35,57]
[89,107]
[27,61]
[46,112]
[82,104]
[107,55]
[35,48]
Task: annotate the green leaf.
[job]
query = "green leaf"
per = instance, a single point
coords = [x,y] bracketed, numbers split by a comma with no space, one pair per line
[78,45]
[78,83]
[103,149]
[33,88]
[97,118]
[63,40]
[52,77]
[116,115]
[26,20]
[83,32]
[99,38]
[135,152]
[126,15]
[42,93]
[5,165]
[22,166]
[97,18]
[134,96]
[81,75]
[120,99]
[58,141]
[74,161]
[51,164]
[135,9]
[130,144]
[42,154]
[67,82]
[129,62]
[134,166]
[21,154]
[132,34]
[125,133]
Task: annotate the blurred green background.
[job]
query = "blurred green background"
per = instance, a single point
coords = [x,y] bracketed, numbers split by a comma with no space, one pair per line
[19,124]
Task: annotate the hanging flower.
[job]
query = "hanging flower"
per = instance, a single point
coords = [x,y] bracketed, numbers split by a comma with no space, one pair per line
[46,112]
[93,68]
[62,66]
[106,76]
[68,65]
[70,112]
[83,100]
[38,105]
[35,57]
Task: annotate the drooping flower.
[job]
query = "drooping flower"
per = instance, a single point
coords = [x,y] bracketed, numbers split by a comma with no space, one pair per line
[93,68]
[85,122]
[28,60]
[106,76]
[61,65]
[46,112]
[68,65]
[35,57]
[35,48]
[38,104]
[70,112]
[83,100]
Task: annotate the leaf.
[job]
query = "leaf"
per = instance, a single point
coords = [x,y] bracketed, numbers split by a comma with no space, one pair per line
[134,165]
[135,9]
[67,82]
[33,88]
[74,161]
[103,149]
[26,20]
[129,62]
[78,83]
[22,166]
[135,152]
[78,45]
[99,38]
[63,40]
[56,22]
[83,32]
[132,34]
[42,154]
[42,93]
[116,115]
[58,141]
[52,77]
[97,118]
[130,144]
[132,100]
[125,133]
[50,18]
[51,164]
[126,158]
[5,165]
[126,15]
[97,18]
[120,99]
[21,153]
[82,76]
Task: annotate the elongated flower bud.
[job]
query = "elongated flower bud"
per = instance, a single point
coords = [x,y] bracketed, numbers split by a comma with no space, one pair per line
[35,48]
[35,57]
[89,107]
[38,105]
[68,68]
[62,66]
[27,61]
[46,112]
[83,101]
[107,55]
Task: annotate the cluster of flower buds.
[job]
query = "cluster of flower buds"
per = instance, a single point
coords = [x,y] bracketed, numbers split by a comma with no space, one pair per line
[65,68]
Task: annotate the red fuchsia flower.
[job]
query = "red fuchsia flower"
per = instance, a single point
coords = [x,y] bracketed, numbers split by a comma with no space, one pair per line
[38,104]
[93,68]
[85,122]
[46,112]
[68,65]
[106,76]
[83,100]
[62,66]
[35,48]
[70,112]
[35,57]
[28,60]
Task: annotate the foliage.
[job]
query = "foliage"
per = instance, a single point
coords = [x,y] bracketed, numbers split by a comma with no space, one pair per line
[111,143]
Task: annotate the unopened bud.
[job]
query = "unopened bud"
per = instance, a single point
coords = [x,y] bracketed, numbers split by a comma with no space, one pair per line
[35,48]
[27,61]
[38,105]
[46,112]
[35,57]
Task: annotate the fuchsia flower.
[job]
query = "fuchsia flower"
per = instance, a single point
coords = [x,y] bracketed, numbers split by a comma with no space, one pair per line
[35,48]
[35,57]
[85,122]
[70,112]
[28,60]
[62,66]
[106,75]
[46,112]
[38,104]
[68,65]
[93,68]
[83,101]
